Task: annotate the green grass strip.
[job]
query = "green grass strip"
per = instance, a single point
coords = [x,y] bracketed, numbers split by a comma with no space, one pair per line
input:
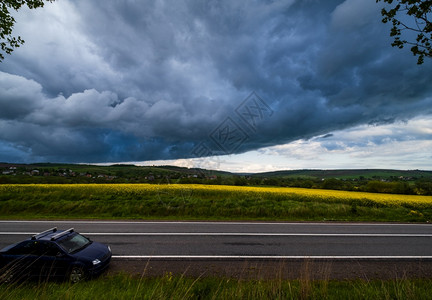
[122,286]
[206,202]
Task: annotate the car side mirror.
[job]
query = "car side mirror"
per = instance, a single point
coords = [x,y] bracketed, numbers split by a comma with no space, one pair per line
[59,254]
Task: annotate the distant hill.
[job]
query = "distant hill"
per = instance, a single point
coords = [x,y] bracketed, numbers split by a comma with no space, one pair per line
[347,173]
[368,180]
[130,171]
[112,172]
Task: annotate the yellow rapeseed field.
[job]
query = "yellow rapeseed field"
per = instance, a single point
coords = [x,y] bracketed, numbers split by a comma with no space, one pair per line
[282,192]
[195,201]
[386,199]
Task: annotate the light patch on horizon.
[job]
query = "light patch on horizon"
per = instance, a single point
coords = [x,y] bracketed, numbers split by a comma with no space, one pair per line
[365,146]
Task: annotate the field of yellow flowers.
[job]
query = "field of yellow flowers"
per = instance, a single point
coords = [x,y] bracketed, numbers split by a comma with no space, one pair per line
[147,201]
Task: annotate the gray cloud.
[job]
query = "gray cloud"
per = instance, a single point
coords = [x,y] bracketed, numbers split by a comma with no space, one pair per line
[129,81]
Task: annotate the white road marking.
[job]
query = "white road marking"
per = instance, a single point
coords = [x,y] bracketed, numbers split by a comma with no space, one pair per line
[236,234]
[262,257]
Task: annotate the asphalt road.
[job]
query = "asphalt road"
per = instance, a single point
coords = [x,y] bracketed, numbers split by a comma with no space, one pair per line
[242,240]
[253,250]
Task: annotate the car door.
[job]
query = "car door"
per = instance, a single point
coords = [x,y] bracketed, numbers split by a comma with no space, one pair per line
[22,259]
[54,261]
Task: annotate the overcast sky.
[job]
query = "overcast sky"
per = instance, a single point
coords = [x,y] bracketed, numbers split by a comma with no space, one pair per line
[261,84]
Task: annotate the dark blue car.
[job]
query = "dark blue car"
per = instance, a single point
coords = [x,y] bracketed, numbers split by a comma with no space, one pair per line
[54,253]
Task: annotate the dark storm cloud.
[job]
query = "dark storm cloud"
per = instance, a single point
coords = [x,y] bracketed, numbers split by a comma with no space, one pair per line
[139,80]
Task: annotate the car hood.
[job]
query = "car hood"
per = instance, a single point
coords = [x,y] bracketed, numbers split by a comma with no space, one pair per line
[93,251]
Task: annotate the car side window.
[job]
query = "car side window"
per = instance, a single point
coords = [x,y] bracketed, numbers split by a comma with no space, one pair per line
[36,248]
[50,249]
[26,247]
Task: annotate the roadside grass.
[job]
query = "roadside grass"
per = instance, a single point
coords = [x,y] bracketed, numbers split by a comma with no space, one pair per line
[206,202]
[200,202]
[125,286]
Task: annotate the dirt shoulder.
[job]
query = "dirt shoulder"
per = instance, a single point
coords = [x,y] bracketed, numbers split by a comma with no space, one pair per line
[282,269]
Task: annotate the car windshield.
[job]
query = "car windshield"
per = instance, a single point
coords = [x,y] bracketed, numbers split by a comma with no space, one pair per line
[74,242]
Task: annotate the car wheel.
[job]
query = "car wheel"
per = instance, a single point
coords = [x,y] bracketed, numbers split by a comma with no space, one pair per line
[77,274]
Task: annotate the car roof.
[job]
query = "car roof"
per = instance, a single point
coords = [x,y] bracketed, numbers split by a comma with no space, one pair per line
[48,235]
[52,234]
